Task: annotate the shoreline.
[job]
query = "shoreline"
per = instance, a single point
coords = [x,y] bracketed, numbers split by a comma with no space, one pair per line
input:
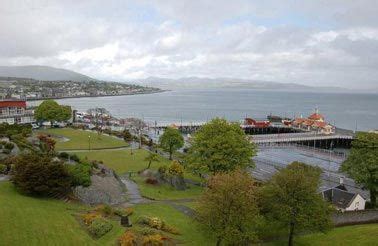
[69,97]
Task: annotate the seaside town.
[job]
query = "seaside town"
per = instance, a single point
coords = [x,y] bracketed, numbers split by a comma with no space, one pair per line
[31,89]
[188,123]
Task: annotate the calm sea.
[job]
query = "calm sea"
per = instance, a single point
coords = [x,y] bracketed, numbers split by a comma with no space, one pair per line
[348,111]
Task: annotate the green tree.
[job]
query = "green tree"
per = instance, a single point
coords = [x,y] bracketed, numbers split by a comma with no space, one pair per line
[291,198]
[228,208]
[39,174]
[362,163]
[171,140]
[152,157]
[220,146]
[50,110]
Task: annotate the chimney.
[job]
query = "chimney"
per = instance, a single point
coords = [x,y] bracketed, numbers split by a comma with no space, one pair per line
[341,180]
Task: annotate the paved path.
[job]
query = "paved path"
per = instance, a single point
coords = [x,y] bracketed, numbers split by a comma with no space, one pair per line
[4,177]
[133,193]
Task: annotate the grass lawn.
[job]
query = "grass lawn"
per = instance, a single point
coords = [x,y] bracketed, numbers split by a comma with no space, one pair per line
[189,229]
[122,161]
[164,192]
[79,140]
[34,221]
[340,236]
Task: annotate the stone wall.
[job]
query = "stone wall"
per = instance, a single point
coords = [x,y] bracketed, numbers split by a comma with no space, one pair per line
[355,217]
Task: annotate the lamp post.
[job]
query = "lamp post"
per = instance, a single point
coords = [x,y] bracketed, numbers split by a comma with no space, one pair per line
[89,142]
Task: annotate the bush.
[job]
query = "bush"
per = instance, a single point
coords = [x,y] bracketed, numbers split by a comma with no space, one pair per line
[99,227]
[89,217]
[105,209]
[128,238]
[64,155]
[7,151]
[80,174]
[176,169]
[151,181]
[9,146]
[124,212]
[157,223]
[162,169]
[155,240]
[38,174]
[3,168]
[74,157]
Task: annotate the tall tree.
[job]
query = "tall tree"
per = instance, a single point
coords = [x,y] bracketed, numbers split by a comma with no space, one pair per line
[291,198]
[362,163]
[220,146]
[50,110]
[171,140]
[228,208]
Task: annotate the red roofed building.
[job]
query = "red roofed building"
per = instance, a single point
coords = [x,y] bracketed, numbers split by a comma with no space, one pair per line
[315,122]
[255,123]
[15,112]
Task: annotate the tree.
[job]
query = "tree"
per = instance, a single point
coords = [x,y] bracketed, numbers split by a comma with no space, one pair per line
[362,163]
[171,140]
[220,146]
[152,157]
[39,174]
[291,198]
[228,208]
[50,110]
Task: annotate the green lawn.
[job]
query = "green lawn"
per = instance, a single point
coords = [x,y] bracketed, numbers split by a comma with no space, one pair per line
[340,236]
[189,229]
[164,192]
[34,221]
[121,161]
[79,139]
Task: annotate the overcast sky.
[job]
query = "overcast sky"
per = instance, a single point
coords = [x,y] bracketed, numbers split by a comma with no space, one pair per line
[320,42]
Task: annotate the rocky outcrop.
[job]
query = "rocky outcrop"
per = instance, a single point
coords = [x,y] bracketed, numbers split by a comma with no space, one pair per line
[105,188]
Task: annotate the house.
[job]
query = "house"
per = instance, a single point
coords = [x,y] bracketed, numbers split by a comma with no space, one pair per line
[344,200]
[256,123]
[14,111]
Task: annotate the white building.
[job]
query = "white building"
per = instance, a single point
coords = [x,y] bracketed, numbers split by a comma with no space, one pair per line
[344,200]
[15,112]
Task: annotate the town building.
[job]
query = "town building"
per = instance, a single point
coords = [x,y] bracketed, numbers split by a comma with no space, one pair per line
[315,122]
[15,112]
[344,200]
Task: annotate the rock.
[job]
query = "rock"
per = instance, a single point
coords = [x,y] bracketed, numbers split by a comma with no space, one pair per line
[178,182]
[105,188]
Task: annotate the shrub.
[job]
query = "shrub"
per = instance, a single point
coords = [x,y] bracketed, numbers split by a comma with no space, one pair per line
[151,181]
[105,209]
[147,231]
[64,155]
[89,217]
[3,168]
[9,145]
[162,169]
[155,240]
[6,151]
[157,223]
[74,157]
[128,238]
[80,174]
[176,169]
[124,212]
[99,227]
[38,174]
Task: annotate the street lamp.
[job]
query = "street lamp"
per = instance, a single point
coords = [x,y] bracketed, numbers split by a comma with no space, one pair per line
[89,142]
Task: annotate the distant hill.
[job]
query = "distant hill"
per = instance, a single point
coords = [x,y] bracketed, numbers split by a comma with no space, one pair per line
[198,82]
[42,73]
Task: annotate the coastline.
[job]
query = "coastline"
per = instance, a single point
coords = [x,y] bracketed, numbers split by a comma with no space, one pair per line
[110,95]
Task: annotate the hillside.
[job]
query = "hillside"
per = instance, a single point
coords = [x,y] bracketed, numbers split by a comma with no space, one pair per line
[42,73]
[203,82]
